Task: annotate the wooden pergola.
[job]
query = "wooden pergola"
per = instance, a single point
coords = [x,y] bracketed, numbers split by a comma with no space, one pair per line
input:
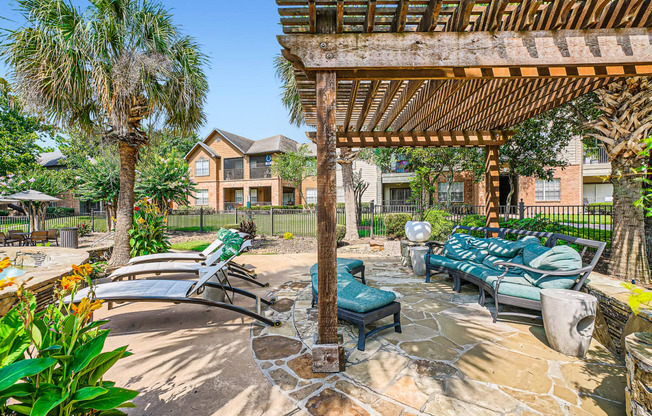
[392,73]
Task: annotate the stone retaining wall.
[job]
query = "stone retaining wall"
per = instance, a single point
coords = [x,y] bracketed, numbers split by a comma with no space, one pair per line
[615,319]
[639,374]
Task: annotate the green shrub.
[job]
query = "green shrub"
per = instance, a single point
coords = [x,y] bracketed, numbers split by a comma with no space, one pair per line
[395,224]
[231,226]
[84,229]
[62,211]
[4,213]
[341,232]
[149,231]
[441,225]
[52,362]
[600,208]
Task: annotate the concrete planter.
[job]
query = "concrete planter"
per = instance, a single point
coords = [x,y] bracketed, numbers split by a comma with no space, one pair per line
[418,231]
[639,373]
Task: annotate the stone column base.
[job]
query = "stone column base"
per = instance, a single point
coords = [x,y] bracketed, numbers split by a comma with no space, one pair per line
[328,358]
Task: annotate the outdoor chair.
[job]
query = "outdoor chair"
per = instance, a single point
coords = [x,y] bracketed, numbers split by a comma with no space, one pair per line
[17,236]
[179,291]
[53,235]
[362,305]
[130,272]
[6,240]
[38,237]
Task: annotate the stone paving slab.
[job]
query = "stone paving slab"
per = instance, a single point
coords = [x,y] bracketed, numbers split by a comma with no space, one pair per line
[450,359]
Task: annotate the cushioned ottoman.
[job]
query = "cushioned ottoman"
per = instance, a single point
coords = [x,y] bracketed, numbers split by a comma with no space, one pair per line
[344,265]
[362,305]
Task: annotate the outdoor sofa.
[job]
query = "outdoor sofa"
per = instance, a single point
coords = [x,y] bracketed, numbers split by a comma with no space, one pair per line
[516,265]
[358,303]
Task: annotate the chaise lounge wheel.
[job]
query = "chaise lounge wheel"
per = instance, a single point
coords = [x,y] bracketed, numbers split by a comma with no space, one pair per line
[277,323]
[272,301]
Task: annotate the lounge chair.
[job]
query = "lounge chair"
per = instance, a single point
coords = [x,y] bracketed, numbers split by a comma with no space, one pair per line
[186,256]
[6,240]
[130,272]
[178,291]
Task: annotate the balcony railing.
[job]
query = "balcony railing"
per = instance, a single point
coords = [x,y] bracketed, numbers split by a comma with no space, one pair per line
[595,155]
[260,172]
[233,174]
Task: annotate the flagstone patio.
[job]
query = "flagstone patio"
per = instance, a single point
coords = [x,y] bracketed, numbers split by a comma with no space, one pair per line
[450,359]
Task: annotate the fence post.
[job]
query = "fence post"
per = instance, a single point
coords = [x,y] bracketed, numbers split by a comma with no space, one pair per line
[271,220]
[521,209]
[92,220]
[371,221]
[201,219]
[236,214]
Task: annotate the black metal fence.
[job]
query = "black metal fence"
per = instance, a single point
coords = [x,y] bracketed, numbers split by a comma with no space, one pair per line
[95,220]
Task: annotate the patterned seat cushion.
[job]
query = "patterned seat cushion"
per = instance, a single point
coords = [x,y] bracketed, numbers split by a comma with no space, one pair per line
[354,296]
[441,261]
[513,285]
[471,268]
[343,265]
[558,258]
[506,248]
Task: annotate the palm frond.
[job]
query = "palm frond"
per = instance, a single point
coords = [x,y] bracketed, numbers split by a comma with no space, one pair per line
[289,90]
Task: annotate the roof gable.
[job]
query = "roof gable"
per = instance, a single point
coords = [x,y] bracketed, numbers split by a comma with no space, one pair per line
[204,146]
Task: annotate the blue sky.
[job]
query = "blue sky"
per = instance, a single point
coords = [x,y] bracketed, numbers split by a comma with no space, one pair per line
[241,43]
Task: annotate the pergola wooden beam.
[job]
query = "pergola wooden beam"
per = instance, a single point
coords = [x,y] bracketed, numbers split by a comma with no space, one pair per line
[377,139]
[541,53]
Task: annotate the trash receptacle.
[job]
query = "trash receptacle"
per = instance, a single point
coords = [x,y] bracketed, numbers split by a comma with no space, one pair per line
[69,237]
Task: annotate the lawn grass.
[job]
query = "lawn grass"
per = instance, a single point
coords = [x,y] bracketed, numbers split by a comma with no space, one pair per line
[580,218]
[197,245]
[7,223]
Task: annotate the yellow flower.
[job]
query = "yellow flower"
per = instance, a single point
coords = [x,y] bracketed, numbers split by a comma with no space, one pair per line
[141,221]
[69,282]
[4,263]
[7,281]
[86,308]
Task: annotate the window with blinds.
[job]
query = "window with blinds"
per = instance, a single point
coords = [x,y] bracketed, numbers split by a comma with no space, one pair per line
[547,190]
[201,167]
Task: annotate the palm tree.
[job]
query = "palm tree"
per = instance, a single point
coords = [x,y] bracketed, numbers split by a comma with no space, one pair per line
[626,120]
[107,68]
[292,102]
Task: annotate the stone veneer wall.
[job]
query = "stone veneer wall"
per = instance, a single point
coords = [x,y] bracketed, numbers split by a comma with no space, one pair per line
[615,319]
[639,374]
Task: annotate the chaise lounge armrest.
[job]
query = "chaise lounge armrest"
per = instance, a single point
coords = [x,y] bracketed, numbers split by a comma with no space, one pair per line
[507,266]
[432,244]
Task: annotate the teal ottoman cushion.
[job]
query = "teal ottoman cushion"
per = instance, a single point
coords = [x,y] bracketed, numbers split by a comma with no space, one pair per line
[343,265]
[356,297]
[341,278]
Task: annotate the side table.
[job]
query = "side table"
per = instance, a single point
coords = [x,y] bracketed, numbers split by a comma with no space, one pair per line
[569,320]
[417,256]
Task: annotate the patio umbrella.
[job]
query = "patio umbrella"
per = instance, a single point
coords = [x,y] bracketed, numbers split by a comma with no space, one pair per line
[27,198]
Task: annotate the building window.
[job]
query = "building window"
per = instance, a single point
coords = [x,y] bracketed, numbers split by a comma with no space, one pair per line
[233,168]
[260,166]
[457,192]
[547,190]
[399,196]
[202,197]
[311,195]
[201,167]
[253,195]
[239,196]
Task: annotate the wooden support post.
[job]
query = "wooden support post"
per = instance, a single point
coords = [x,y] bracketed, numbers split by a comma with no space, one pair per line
[492,186]
[327,355]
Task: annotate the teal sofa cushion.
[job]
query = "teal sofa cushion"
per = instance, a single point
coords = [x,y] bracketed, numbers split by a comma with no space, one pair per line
[354,296]
[514,285]
[476,242]
[473,269]
[558,258]
[506,248]
[343,265]
[441,261]
[491,260]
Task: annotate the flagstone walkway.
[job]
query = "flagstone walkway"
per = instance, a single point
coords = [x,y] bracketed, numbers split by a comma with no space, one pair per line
[450,359]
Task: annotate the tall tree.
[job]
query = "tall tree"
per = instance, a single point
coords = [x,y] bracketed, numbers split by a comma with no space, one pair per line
[295,167]
[165,180]
[106,69]
[20,134]
[624,125]
[99,180]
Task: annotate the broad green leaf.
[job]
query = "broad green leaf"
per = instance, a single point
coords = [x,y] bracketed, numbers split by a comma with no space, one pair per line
[113,398]
[52,348]
[13,372]
[20,409]
[88,393]
[47,401]
[17,390]
[101,364]
[93,325]
[69,324]
[112,412]
[88,351]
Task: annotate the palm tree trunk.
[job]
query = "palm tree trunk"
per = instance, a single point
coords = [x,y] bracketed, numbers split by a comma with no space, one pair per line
[628,252]
[125,210]
[349,202]
[648,207]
